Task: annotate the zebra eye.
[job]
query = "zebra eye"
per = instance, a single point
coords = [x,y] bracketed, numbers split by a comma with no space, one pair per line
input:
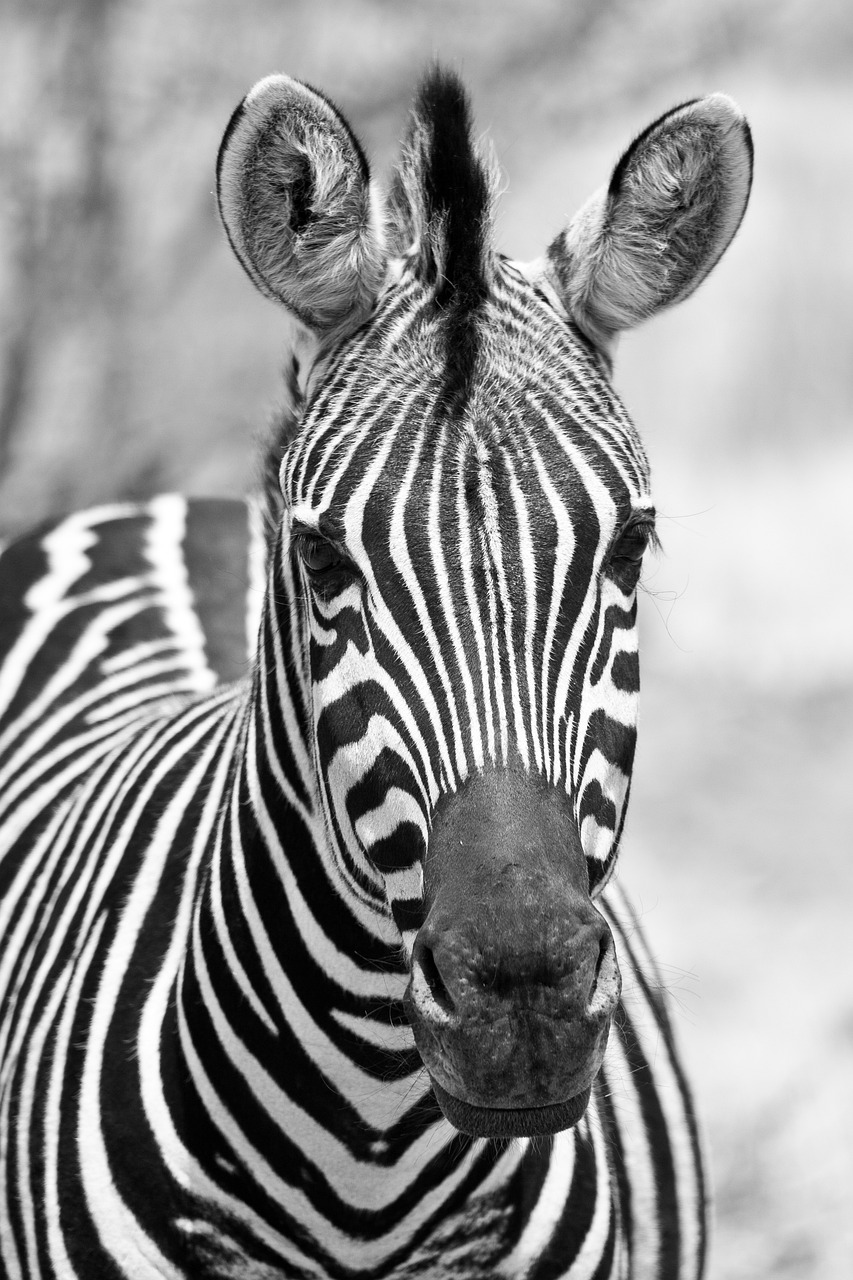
[633,542]
[318,555]
[628,550]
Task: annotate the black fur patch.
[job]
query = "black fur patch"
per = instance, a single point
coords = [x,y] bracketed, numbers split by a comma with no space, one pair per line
[456,189]
[301,196]
[453,188]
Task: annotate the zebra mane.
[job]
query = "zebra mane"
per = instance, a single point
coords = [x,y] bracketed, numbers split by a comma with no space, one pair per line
[442,194]
[441,206]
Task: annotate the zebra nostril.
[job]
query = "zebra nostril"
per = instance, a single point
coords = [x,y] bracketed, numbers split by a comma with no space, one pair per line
[603,948]
[606,984]
[428,986]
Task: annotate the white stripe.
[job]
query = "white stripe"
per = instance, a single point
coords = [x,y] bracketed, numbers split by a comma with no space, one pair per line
[546,1213]
[163,547]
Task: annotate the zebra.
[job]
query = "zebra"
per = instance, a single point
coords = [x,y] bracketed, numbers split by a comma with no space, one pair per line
[308,803]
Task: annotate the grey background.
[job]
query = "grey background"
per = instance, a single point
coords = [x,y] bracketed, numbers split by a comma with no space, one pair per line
[134,356]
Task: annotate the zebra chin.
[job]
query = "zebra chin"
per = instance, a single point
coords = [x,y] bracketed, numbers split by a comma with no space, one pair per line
[519,1074]
[514,979]
[511,1122]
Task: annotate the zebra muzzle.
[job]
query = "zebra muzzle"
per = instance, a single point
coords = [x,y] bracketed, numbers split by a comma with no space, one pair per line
[514,978]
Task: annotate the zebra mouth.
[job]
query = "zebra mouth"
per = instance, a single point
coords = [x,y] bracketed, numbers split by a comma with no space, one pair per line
[511,1122]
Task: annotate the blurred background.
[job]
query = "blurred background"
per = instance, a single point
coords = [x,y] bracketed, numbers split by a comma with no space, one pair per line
[135,356]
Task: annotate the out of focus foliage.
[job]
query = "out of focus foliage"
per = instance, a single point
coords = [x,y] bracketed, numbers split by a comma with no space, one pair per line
[132,354]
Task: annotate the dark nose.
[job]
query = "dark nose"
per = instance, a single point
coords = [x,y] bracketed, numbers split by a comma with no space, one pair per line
[560,966]
[514,977]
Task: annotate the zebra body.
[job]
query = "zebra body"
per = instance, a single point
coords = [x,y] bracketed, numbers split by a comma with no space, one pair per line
[237,754]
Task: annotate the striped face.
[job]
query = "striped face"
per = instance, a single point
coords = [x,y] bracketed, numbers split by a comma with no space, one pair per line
[469,566]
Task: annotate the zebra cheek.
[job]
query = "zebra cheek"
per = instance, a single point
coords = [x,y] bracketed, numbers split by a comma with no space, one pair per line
[604,792]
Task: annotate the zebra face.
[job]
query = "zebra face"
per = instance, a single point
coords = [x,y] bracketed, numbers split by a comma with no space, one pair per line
[465,512]
[469,573]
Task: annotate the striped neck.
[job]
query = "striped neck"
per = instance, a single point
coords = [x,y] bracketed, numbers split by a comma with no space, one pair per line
[291,1034]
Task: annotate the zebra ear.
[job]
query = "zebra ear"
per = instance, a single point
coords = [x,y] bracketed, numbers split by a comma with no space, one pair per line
[298,204]
[674,202]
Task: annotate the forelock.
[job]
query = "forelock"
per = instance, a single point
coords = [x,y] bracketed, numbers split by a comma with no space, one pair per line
[441,213]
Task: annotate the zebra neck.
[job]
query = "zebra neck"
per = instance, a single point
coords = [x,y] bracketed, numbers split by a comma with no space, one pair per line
[291,972]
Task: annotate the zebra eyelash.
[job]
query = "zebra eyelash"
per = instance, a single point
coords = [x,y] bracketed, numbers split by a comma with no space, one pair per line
[653,542]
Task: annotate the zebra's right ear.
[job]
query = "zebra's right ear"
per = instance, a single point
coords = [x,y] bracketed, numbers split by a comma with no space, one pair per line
[299,207]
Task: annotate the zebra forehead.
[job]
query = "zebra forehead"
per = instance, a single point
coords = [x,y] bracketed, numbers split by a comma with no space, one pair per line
[496,459]
[539,415]
[470,503]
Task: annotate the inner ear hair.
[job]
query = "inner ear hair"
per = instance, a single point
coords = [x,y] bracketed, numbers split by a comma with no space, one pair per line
[674,202]
[299,207]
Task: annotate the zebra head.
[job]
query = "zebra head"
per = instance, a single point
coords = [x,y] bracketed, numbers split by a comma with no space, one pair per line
[464,511]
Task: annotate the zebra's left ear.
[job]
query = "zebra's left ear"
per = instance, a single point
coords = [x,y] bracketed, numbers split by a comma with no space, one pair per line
[674,202]
[299,206]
